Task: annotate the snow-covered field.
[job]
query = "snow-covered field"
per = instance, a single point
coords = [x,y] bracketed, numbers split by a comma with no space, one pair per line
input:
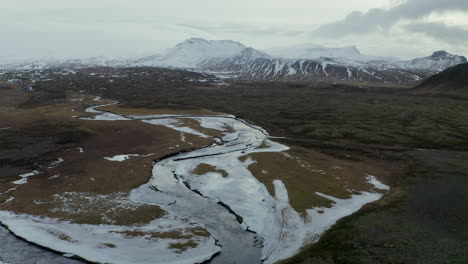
[227,204]
[114,244]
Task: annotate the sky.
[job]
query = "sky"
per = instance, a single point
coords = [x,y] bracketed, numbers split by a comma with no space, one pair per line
[129,28]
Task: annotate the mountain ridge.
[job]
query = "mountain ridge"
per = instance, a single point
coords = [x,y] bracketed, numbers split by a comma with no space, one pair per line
[236,60]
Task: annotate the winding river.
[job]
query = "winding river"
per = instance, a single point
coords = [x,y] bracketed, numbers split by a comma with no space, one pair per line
[267,228]
[247,222]
[212,200]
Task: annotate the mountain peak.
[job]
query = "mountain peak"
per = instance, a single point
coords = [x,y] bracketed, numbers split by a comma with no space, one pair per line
[194,40]
[194,50]
[440,53]
[438,61]
[202,41]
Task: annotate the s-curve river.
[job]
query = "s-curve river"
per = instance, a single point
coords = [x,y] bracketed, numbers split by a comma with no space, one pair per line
[249,224]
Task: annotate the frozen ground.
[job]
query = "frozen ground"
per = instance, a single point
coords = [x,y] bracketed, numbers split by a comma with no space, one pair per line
[112,244]
[16,251]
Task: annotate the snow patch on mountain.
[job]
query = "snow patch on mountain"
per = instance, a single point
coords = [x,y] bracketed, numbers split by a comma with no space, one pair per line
[231,59]
[192,51]
[347,54]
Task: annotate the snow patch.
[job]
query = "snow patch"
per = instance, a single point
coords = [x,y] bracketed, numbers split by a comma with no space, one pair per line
[103,115]
[176,125]
[322,218]
[281,193]
[121,158]
[24,177]
[90,241]
[9,200]
[377,184]
[56,163]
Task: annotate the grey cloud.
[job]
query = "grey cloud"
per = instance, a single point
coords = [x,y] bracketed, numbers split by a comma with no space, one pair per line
[243,29]
[449,34]
[381,19]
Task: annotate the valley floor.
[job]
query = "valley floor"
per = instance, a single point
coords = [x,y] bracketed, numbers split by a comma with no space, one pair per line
[131,166]
[82,202]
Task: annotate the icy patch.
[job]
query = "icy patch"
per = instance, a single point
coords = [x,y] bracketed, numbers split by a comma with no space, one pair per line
[54,177]
[97,99]
[107,117]
[323,218]
[281,193]
[176,125]
[24,177]
[216,123]
[12,189]
[377,184]
[124,157]
[121,158]
[9,200]
[147,117]
[111,243]
[56,163]
[103,115]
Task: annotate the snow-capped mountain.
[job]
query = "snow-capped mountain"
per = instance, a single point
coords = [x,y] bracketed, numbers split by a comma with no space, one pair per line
[310,62]
[330,64]
[324,69]
[349,54]
[437,62]
[191,52]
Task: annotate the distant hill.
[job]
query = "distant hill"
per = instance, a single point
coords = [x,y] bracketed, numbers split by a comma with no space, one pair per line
[452,81]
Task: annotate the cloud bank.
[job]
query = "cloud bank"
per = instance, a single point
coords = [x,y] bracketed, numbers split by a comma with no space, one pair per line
[378,19]
[439,31]
[85,28]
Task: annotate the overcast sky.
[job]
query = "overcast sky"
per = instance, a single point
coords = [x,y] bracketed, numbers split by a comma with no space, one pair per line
[85,28]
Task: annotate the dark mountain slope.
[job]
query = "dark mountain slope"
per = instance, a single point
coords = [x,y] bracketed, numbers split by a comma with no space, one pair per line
[453,81]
